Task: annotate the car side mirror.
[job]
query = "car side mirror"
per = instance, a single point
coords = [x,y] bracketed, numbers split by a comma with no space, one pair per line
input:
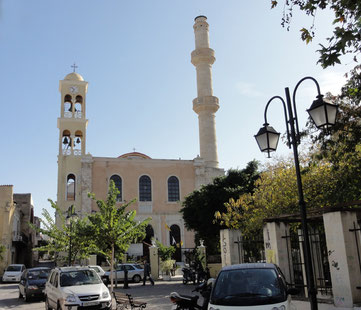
[293,291]
[211,281]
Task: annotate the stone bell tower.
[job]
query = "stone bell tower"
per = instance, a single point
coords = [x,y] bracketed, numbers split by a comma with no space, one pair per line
[205,105]
[72,125]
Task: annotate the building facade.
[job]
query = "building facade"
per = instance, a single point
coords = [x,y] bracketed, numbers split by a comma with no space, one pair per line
[158,185]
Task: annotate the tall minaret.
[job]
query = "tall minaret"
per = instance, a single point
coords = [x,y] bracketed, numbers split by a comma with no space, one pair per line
[205,105]
[72,125]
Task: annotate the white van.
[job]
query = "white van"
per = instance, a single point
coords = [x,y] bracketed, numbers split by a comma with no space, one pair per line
[13,273]
[256,286]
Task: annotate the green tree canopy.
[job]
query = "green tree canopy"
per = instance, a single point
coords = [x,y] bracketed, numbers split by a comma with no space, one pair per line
[200,206]
[347,26]
[112,227]
[60,233]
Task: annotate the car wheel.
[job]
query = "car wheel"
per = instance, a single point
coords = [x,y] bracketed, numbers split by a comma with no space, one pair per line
[185,281]
[47,304]
[136,278]
[20,295]
[26,297]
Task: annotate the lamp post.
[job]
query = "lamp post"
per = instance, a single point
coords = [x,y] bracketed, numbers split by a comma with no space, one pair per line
[71,216]
[323,114]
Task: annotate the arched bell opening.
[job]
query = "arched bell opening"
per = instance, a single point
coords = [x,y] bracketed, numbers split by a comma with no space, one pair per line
[68,106]
[78,106]
[77,146]
[66,142]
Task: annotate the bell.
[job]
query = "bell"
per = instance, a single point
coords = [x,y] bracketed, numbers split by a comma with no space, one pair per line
[69,109]
[65,141]
[78,140]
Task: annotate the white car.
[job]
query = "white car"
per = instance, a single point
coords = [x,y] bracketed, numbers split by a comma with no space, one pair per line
[99,270]
[73,287]
[13,273]
[135,273]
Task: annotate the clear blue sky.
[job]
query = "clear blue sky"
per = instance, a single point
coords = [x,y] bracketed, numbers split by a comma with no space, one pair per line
[136,57]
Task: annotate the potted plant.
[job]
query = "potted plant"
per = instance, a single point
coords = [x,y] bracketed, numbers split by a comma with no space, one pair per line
[167,263]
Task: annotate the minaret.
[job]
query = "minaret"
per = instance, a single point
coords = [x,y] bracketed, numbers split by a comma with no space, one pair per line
[72,125]
[205,105]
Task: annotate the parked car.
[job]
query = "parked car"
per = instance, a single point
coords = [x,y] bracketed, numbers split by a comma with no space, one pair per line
[99,270]
[32,282]
[258,286]
[135,273]
[69,287]
[13,273]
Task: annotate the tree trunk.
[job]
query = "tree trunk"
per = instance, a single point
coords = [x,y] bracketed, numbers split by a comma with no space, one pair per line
[111,269]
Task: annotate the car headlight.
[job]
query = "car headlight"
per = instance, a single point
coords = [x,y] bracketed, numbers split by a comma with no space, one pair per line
[105,294]
[279,308]
[70,298]
[32,287]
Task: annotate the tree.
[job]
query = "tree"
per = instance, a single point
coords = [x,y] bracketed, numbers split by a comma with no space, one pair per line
[112,228]
[60,234]
[276,194]
[200,206]
[2,251]
[347,26]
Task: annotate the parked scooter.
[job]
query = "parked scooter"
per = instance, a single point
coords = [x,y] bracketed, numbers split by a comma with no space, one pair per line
[185,302]
[189,275]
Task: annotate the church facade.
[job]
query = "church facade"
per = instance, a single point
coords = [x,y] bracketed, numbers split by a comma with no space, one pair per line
[158,185]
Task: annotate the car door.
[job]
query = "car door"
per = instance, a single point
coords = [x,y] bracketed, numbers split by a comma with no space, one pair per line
[131,271]
[50,289]
[120,272]
[22,283]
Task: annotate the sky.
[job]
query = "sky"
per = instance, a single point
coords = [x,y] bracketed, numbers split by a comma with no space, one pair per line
[135,54]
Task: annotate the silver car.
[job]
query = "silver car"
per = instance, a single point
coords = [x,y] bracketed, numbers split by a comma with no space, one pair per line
[135,273]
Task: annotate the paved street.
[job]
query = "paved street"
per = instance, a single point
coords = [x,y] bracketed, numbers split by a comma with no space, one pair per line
[155,296]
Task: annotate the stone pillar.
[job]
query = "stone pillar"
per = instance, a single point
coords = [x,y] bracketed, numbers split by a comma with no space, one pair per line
[153,260]
[342,247]
[230,253]
[205,105]
[201,251]
[278,247]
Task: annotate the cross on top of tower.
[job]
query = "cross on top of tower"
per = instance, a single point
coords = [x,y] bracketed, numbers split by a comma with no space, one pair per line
[74,66]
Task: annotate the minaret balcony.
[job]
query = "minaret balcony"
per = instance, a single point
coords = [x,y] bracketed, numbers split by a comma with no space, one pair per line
[203,55]
[209,104]
[69,114]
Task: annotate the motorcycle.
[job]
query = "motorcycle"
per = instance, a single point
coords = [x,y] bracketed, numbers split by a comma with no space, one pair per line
[189,275]
[185,302]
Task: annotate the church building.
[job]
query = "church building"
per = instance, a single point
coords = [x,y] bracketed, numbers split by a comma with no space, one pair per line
[159,185]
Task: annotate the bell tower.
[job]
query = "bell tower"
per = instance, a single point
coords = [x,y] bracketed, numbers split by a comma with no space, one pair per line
[205,105]
[72,125]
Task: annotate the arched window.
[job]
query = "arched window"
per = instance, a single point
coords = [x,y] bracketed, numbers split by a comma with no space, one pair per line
[149,234]
[145,188]
[70,187]
[118,184]
[175,240]
[173,189]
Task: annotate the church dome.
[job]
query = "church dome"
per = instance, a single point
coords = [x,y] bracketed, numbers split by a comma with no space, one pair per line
[74,76]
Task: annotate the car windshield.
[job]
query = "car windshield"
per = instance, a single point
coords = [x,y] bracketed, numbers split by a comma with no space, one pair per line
[246,287]
[95,268]
[138,266]
[79,277]
[38,274]
[13,268]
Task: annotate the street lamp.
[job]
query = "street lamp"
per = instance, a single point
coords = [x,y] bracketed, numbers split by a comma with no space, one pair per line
[71,216]
[323,114]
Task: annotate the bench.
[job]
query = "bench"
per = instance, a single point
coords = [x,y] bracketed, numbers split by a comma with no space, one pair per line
[124,300]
